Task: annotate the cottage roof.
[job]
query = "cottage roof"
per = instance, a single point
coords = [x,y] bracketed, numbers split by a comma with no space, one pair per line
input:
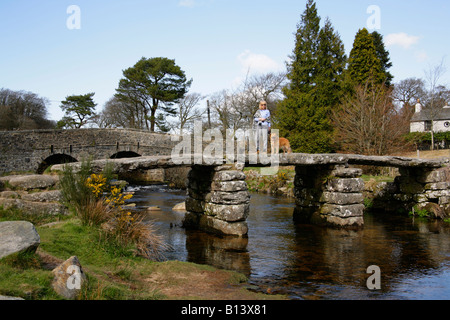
[425,114]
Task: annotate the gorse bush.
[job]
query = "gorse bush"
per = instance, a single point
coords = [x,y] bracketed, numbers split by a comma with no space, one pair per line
[77,194]
[100,202]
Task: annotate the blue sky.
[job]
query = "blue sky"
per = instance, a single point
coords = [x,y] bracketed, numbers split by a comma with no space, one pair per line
[214,41]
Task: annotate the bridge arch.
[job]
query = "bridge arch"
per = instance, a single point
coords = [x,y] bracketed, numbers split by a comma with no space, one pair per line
[58,158]
[125,154]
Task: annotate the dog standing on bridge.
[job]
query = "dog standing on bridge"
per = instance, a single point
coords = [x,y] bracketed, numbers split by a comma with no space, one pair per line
[277,143]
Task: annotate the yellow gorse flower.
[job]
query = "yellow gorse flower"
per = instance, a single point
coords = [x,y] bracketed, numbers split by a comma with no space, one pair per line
[97,184]
[112,195]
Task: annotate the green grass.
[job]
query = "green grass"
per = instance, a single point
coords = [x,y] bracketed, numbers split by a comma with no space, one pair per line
[270,183]
[25,275]
[22,275]
[72,238]
[104,266]
[113,271]
[15,214]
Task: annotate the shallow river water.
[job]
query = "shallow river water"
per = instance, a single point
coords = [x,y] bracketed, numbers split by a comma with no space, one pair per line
[310,262]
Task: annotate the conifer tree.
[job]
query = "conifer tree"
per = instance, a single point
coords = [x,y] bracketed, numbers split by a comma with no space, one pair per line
[364,63]
[315,73]
[383,55]
[332,61]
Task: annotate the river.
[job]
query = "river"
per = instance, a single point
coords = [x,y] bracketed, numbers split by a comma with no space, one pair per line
[311,262]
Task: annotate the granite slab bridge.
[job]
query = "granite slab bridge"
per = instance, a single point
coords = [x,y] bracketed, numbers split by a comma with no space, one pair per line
[328,188]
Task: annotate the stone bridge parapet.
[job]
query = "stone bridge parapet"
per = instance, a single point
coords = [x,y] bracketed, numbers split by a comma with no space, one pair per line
[34,150]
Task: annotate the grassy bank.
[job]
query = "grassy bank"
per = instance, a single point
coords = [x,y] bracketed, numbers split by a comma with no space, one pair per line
[281,183]
[113,272]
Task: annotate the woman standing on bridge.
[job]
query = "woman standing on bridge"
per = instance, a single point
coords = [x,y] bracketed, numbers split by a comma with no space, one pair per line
[261,123]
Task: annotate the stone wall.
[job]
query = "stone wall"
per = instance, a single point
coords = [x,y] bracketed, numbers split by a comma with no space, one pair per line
[217,200]
[414,189]
[329,195]
[27,150]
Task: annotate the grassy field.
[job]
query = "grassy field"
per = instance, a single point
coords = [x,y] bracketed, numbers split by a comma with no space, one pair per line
[435,154]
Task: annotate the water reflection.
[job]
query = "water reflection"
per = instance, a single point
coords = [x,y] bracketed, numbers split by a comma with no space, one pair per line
[223,252]
[310,262]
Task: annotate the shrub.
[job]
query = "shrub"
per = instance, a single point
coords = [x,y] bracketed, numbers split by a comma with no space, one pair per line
[421,213]
[99,202]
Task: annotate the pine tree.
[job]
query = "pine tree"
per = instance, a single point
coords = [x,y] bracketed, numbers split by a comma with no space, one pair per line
[383,55]
[332,61]
[315,73]
[364,63]
[303,66]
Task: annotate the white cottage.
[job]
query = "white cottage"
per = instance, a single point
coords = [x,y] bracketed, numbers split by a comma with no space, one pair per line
[423,120]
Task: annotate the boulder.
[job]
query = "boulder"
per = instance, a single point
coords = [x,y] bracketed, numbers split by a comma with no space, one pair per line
[44,196]
[34,181]
[17,237]
[10,298]
[180,206]
[33,207]
[9,195]
[153,208]
[69,278]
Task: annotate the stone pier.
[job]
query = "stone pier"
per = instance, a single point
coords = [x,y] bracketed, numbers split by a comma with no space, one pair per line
[329,195]
[217,199]
[413,190]
[328,190]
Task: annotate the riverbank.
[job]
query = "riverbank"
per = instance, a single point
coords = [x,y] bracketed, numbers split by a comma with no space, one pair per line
[280,184]
[112,274]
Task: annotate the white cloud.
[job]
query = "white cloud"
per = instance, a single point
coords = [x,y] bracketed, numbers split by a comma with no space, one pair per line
[257,63]
[400,39]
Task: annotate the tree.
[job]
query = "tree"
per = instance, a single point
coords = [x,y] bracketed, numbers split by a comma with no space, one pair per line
[315,78]
[79,110]
[234,109]
[20,110]
[188,111]
[153,84]
[118,113]
[303,64]
[383,56]
[260,87]
[408,91]
[368,122]
[364,63]
[436,95]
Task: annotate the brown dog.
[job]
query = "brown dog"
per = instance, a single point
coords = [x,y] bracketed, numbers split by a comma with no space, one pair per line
[282,144]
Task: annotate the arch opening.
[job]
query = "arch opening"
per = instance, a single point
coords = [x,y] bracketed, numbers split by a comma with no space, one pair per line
[125,154]
[54,159]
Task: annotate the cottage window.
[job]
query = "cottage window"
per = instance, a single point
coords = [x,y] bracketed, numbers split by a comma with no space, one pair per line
[428,125]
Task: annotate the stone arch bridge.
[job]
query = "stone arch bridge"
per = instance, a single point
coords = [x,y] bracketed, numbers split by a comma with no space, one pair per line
[35,150]
[328,188]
